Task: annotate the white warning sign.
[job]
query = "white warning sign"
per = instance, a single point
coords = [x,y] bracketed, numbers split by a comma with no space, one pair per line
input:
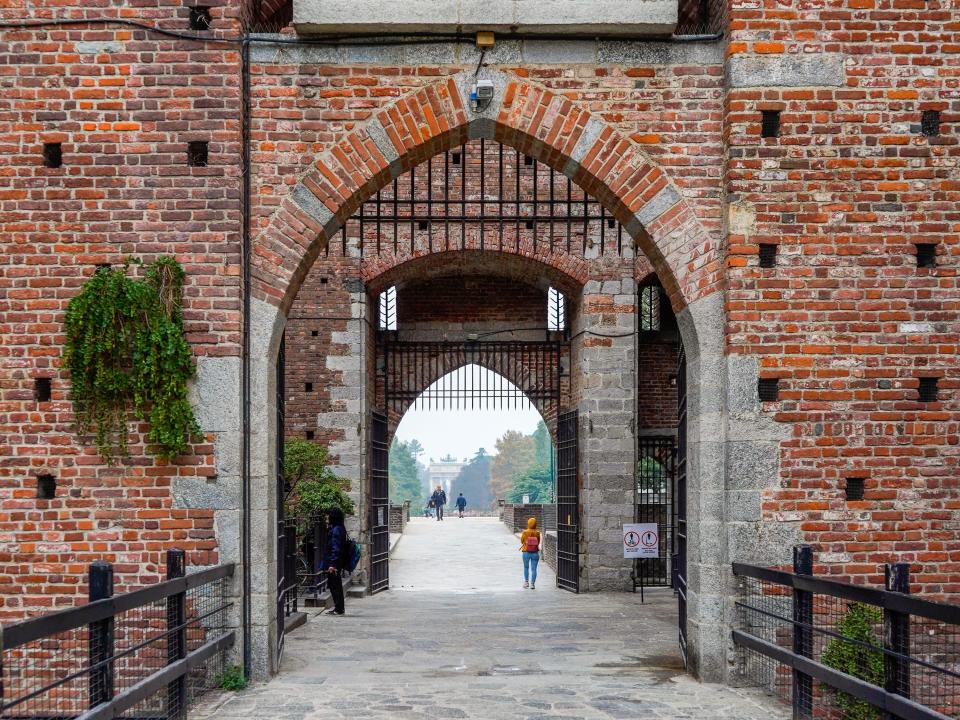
[641,540]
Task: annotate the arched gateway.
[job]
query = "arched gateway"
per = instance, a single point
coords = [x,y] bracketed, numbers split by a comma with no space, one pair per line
[655,226]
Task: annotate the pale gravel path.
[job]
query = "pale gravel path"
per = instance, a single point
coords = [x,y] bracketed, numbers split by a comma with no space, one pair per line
[457,637]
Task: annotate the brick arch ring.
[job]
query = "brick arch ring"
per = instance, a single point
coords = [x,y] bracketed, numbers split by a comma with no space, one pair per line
[540,123]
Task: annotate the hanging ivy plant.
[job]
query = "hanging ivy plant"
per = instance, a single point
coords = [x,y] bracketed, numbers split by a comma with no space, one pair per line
[126,351]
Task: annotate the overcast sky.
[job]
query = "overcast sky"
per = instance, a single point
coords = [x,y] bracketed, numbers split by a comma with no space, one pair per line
[462,432]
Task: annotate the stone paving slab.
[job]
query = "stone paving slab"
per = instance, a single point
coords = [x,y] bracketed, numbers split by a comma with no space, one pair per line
[458,637]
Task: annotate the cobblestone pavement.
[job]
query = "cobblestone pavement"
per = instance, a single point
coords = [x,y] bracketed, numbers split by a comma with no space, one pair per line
[457,637]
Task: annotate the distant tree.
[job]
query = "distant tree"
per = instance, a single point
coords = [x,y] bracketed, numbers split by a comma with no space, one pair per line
[404,479]
[544,445]
[474,481]
[537,482]
[416,449]
[516,454]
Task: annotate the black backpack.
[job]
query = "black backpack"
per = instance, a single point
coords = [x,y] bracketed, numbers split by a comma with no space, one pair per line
[349,554]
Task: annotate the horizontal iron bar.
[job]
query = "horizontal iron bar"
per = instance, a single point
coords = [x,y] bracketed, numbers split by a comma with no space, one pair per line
[894,601]
[901,707]
[64,620]
[159,680]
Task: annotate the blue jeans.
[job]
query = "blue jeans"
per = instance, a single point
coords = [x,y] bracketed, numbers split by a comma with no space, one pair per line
[530,561]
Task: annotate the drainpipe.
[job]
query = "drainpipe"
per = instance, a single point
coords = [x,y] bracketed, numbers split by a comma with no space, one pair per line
[245,384]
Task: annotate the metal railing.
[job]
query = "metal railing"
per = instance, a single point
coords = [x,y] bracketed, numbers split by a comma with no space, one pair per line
[149,653]
[847,652]
[306,579]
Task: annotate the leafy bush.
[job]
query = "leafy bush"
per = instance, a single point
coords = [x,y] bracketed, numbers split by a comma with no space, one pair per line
[233,679]
[857,624]
[126,350]
[537,482]
[312,486]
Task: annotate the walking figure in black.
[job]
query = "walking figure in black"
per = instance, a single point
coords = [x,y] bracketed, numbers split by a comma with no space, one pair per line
[439,499]
[333,557]
[461,504]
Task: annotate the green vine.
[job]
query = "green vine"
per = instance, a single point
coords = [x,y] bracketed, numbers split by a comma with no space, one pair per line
[126,350]
[852,658]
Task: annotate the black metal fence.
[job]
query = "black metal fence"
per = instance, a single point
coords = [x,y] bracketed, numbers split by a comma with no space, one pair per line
[847,652]
[144,654]
[305,540]
[654,504]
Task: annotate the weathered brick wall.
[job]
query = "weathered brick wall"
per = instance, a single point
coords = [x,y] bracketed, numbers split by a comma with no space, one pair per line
[846,319]
[124,104]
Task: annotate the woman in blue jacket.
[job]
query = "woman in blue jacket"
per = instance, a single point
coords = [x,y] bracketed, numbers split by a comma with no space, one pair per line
[333,557]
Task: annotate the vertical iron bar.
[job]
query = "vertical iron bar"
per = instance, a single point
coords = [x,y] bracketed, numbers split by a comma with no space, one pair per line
[517,198]
[176,636]
[536,209]
[396,217]
[802,633]
[896,635]
[586,221]
[413,209]
[446,199]
[603,230]
[483,190]
[100,638]
[379,192]
[500,194]
[552,176]
[362,230]
[430,204]
[463,198]
[569,211]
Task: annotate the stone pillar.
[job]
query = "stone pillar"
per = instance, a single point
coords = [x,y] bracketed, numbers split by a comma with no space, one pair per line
[605,366]
[349,406]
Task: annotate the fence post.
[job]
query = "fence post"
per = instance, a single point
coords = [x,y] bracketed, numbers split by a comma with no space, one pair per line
[896,635]
[100,638]
[290,573]
[176,635]
[802,636]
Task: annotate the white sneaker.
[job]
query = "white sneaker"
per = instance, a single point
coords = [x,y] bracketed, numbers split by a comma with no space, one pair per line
[526,585]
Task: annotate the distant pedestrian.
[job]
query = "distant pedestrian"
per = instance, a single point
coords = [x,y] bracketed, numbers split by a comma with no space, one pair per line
[530,547]
[439,499]
[461,504]
[333,557]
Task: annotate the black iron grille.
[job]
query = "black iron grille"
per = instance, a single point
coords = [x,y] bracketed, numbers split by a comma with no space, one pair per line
[484,196]
[768,389]
[854,489]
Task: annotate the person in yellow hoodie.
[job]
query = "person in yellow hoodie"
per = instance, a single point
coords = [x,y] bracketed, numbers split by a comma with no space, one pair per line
[530,547]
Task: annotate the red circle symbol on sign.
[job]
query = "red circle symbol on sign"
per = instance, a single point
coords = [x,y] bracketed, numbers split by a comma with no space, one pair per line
[631,539]
[649,539]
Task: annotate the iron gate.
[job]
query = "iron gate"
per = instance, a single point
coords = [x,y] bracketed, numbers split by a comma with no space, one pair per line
[568,504]
[680,502]
[654,504]
[283,586]
[379,503]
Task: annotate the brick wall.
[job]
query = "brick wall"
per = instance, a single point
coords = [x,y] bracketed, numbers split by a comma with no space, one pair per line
[846,320]
[124,105]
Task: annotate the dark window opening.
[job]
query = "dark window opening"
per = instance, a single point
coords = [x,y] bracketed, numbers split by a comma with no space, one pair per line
[200,18]
[309,434]
[52,155]
[324,281]
[528,224]
[314,333]
[768,389]
[854,488]
[46,487]
[41,389]
[455,158]
[770,123]
[930,123]
[198,153]
[926,255]
[768,255]
[309,387]
[929,389]
[423,225]
[611,223]
[527,160]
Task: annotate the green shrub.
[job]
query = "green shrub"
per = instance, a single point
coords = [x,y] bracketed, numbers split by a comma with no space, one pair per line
[233,679]
[312,486]
[857,624]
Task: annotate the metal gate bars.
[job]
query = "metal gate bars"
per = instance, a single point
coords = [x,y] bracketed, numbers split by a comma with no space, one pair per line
[568,504]
[680,498]
[379,503]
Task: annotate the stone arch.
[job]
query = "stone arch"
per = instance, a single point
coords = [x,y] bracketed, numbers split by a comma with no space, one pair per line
[610,167]
[543,124]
